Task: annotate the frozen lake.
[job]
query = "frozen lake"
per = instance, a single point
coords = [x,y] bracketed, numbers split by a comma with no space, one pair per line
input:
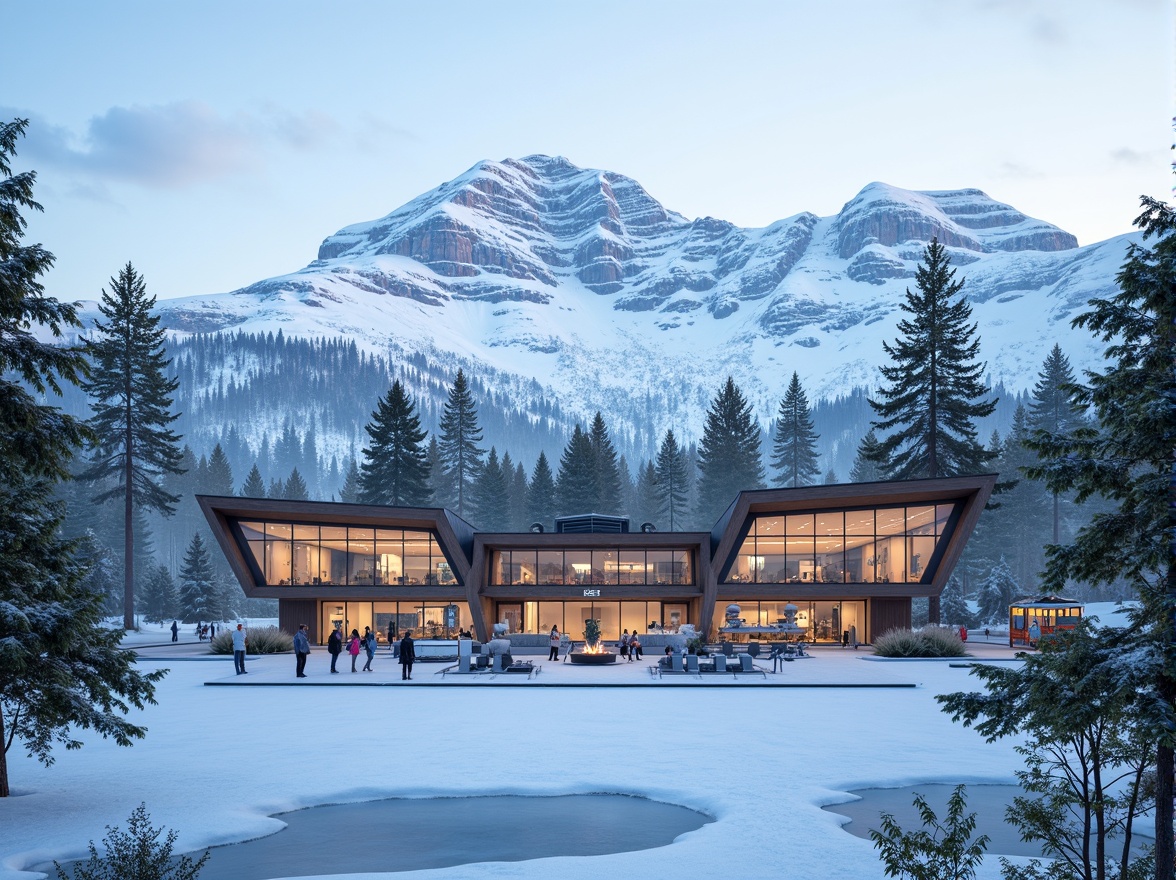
[408,834]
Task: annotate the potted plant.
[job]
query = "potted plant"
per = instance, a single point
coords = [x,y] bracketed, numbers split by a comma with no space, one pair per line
[591,633]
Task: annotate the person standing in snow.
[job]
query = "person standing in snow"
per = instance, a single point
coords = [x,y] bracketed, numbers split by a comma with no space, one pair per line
[634,647]
[335,645]
[301,651]
[553,642]
[353,647]
[407,655]
[239,640]
[175,627]
[369,646]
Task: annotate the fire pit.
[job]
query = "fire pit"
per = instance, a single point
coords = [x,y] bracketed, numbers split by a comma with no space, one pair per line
[594,653]
[589,658]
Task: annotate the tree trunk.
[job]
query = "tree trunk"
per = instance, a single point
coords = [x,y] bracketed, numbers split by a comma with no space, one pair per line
[4,792]
[128,535]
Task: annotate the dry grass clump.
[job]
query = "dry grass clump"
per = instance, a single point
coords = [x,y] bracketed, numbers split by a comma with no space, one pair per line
[930,641]
[261,640]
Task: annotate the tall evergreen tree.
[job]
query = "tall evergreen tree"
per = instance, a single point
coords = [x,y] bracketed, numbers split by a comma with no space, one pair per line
[60,668]
[645,495]
[489,499]
[198,599]
[576,482]
[996,592]
[254,485]
[294,488]
[444,494]
[131,399]
[831,477]
[868,464]
[729,453]
[350,491]
[461,456]
[218,474]
[276,488]
[160,601]
[395,469]
[542,506]
[794,451]
[927,412]
[670,482]
[518,493]
[953,608]
[608,475]
[1129,459]
[1052,409]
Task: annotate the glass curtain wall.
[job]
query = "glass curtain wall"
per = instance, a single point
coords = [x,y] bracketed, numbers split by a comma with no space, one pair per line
[822,621]
[293,554]
[390,620]
[607,566]
[614,617]
[882,545]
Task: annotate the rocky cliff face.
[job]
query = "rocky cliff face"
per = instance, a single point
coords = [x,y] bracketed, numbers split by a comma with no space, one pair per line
[580,280]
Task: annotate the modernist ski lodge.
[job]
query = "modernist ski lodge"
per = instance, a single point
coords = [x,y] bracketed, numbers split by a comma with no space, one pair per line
[847,555]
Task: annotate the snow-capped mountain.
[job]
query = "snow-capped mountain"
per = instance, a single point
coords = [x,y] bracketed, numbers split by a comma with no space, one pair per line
[580,280]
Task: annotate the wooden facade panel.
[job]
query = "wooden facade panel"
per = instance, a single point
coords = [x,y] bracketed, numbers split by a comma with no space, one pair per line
[888,614]
[292,613]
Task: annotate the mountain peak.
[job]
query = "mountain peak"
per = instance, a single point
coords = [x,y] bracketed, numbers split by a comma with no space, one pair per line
[965,218]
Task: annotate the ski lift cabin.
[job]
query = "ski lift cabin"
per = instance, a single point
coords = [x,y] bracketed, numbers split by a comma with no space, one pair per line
[1030,619]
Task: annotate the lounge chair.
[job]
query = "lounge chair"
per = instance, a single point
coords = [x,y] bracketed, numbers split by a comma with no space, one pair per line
[746,666]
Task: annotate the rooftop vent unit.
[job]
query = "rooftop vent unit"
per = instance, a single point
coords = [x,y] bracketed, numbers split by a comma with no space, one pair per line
[592,523]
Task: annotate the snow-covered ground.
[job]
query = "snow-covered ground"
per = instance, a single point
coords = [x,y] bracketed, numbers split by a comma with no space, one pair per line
[217,761]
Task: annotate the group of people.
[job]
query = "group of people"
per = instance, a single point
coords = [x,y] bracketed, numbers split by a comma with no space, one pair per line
[630,646]
[337,643]
[203,631]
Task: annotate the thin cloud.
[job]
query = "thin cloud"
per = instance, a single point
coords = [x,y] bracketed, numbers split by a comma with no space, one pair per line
[1128,156]
[171,145]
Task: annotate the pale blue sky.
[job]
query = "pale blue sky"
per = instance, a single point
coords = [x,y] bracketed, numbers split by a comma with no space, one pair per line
[214,144]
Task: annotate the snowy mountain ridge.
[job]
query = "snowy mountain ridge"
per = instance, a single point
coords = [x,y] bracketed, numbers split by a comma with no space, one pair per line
[580,280]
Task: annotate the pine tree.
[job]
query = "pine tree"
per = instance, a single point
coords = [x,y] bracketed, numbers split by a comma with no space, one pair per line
[831,477]
[48,620]
[444,490]
[276,489]
[868,465]
[254,485]
[794,451]
[295,487]
[729,453]
[952,607]
[131,399]
[103,572]
[489,498]
[1052,409]
[395,469]
[542,506]
[670,482]
[461,456]
[645,496]
[518,493]
[160,601]
[996,592]
[928,410]
[350,491]
[1129,459]
[608,476]
[576,482]
[198,599]
[218,475]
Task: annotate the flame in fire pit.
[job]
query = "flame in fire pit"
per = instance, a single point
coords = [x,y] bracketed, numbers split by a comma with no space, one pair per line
[598,648]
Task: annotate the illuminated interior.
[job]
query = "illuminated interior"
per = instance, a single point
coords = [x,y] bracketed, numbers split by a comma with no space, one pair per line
[874,545]
[605,566]
[291,554]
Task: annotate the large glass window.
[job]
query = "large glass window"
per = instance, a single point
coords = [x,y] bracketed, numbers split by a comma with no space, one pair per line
[605,566]
[882,545]
[297,554]
[821,621]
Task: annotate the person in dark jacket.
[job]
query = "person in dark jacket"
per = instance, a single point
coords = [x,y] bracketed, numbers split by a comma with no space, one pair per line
[301,651]
[369,647]
[175,631]
[407,656]
[335,645]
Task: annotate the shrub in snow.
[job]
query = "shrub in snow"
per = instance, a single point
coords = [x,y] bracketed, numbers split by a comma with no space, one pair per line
[930,641]
[941,849]
[136,854]
[261,640]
